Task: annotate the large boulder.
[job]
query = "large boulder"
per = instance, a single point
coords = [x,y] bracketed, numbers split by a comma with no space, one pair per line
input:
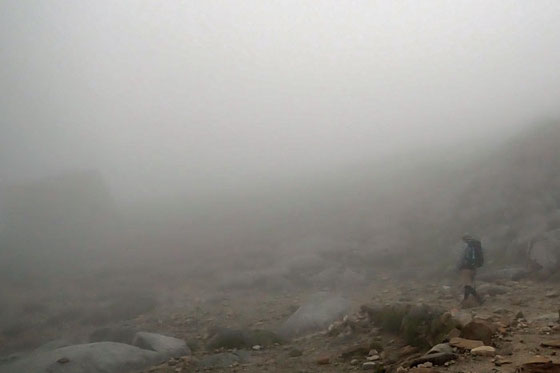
[480,330]
[316,314]
[389,316]
[101,357]
[167,346]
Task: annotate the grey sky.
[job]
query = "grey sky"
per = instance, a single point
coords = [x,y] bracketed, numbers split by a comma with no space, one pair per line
[165,96]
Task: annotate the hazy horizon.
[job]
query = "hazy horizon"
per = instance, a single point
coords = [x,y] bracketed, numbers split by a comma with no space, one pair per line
[169,97]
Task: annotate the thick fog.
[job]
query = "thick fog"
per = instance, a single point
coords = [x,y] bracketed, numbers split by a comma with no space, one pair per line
[176,97]
[188,167]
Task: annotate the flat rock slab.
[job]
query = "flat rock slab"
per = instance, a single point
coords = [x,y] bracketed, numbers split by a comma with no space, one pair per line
[101,357]
[439,348]
[465,344]
[488,351]
[551,344]
[539,365]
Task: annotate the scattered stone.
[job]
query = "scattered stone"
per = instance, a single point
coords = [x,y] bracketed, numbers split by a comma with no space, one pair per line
[454,333]
[257,348]
[370,365]
[354,362]
[488,351]
[407,351]
[355,350]
[323,360]
[435,359]
[373,358]
[426,365]
[500,360]
[465,344]
[506,349]
[294,352]
[519,315]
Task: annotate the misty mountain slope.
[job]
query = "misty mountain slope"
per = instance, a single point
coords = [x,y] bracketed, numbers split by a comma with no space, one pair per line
[409,210]
[405,210]
[413,211]
[513,197]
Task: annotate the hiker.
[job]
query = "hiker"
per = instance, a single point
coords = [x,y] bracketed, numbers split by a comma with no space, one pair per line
[471,259]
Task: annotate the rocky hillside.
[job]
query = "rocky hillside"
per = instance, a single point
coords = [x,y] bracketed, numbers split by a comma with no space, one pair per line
[512,199]
[508,195]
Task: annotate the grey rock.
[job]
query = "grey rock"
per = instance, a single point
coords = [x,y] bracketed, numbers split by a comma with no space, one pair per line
[436,359]
[315,315]
[167,346]
[441,348]
[294,352]
[101,357]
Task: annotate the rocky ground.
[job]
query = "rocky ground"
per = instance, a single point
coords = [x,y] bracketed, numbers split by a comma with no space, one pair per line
[517,325]
[386,323]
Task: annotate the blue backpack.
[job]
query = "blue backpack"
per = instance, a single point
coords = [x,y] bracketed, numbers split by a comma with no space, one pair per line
[475,255]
